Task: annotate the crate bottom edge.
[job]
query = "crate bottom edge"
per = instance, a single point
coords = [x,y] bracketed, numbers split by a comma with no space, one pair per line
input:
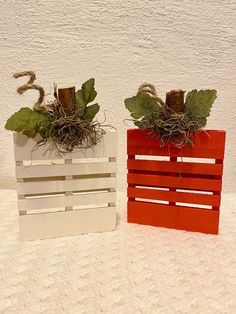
[45,226]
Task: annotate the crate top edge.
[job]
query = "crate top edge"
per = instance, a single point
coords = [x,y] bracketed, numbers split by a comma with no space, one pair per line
[199,131]
[208,143]
[24,148]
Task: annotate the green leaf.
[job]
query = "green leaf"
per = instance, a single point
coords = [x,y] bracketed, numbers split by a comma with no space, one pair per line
[142,105]
[84,96]
[80,102]
[29,122]
[198,105]
[91,112]
[88,91]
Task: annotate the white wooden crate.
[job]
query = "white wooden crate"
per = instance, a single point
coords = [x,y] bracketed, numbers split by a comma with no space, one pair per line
[65,195]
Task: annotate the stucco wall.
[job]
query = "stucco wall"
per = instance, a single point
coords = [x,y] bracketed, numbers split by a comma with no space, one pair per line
[173,44]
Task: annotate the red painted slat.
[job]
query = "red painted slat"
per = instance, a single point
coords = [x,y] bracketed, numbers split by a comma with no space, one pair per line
[177,217]
[209,144]
[178,167]
[156,151]
[175,182]
[181,197]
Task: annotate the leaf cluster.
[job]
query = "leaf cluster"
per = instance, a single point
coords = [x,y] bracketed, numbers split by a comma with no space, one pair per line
[30,122]
[144,108]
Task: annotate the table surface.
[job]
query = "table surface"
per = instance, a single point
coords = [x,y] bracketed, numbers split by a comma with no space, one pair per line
[134,269]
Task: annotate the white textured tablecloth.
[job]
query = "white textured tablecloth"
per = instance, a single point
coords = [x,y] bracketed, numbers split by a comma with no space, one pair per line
[135,269]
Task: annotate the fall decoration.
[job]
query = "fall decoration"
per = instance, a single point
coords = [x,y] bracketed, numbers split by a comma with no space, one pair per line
[68,120]
[175,120]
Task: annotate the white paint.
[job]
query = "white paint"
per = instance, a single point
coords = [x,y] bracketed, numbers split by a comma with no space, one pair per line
[59,224]
[84,203]
[173,44]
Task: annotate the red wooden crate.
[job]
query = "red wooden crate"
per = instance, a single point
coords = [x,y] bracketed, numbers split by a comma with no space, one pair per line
[177,192]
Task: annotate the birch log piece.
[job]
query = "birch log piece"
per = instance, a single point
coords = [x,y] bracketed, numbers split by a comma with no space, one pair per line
[66,97]
[175,100]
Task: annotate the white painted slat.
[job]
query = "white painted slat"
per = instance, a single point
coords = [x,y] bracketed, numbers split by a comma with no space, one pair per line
[25,149]
[65,201]
[55,186]
[56,224]
[65,169]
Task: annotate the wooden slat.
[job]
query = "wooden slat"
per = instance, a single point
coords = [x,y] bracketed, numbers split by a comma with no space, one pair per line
[25,149]
[177,217]
[65,169]
[178,167]
[56,224]
[65,201]
[55,186]
[210,145]
[181,197]
[175,182]
[155,151]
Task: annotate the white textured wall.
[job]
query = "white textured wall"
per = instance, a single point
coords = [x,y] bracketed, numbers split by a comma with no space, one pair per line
[173,44]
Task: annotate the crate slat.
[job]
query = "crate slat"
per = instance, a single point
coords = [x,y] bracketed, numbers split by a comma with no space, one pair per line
[53,170]
[65,201]
[207,144]
[175,182]
[178,167]
[24,148]
[177,217]
[155,151]
[48,225]
[172,196]
[54,186]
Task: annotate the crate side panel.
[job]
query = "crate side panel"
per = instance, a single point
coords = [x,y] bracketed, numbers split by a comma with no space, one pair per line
[176,217]
[49,225]
[25,149]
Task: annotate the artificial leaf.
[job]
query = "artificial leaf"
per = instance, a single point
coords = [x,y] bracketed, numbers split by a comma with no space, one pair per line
[142,105]
[45,129]
[88,91]
[29,122]
[80,101]
[91,112]
[198,105]
[30,132]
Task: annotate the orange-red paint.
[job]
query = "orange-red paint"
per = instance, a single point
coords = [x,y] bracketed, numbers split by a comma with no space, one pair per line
[147,178]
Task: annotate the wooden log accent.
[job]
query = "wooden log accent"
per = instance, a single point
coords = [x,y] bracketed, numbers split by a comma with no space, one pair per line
[175,100]
[66,97]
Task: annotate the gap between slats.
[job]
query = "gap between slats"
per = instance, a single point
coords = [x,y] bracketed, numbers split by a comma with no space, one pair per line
[173,196]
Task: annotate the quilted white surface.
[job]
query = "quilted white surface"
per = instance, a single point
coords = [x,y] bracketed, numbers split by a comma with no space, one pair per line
[135,269]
